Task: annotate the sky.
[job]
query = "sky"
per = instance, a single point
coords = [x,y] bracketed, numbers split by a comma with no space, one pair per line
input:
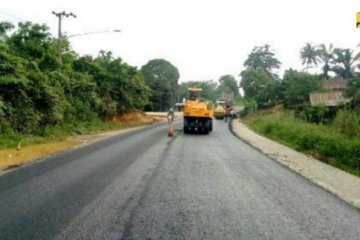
[204,39]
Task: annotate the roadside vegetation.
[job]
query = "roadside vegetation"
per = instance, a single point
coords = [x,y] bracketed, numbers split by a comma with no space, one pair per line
[280,108]
[48,93]
[330,143]
[45,96]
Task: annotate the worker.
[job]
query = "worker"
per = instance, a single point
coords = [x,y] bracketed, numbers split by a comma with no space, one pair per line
[170,117]
[228,110]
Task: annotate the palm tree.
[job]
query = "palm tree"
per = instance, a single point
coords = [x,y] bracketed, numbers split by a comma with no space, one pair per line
[309,55]
[326,55]
[344,60]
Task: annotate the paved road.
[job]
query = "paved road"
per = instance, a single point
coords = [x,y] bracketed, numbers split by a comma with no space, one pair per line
[143,185]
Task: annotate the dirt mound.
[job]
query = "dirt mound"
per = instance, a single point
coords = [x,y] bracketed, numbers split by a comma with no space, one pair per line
[133,118]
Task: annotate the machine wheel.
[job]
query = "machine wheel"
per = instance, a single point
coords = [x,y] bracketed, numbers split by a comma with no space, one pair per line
[186,130]
[206,130]
[211,125]
[186,126]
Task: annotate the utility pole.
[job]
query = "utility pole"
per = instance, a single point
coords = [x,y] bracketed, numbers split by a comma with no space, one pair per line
[59,15]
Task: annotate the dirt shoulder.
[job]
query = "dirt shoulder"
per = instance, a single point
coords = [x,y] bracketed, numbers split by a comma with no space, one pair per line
[12,158]
[336,181]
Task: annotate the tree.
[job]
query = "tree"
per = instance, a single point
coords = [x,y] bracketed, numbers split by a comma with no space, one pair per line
[31,40]
[228,82]
[353,90]
[326,55]
[162,78]
[298,86]
[259,85]
[119,86]
[37,92]
[262,57]
[4,28]
[309,56]
[344,60]
[209,89]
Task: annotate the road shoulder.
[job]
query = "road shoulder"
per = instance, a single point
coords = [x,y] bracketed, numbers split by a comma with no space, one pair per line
[336,181]
[12,159]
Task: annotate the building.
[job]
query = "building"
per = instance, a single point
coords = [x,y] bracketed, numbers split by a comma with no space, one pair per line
[333,94]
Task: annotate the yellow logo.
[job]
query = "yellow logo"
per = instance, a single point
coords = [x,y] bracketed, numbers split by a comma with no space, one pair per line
[358,20]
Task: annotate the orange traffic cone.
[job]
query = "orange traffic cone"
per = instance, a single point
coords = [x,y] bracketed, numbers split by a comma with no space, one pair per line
[170,130]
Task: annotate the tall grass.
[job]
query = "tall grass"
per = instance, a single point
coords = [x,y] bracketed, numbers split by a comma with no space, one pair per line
[333,142]
[348,123]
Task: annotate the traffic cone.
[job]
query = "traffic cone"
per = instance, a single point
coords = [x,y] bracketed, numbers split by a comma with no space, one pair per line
[170,130]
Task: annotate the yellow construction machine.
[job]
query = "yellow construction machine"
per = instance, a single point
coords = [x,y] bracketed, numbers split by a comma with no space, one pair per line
[198,115]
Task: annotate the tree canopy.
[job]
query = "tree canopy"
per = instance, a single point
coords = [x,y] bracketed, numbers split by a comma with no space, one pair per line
[209,89]
[262,57]
[309,56]
[228,82]
[37,90]
[298,86]
[344,60]
[259,85]
[162,78]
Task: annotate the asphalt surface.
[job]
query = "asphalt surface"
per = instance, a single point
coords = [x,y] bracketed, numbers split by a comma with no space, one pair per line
[144,185]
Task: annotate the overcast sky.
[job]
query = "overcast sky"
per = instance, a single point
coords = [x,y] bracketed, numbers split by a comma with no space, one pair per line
[204,39]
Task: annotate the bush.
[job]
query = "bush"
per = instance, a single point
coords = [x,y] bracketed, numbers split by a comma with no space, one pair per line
[347,123]
[318,114]
[340,149]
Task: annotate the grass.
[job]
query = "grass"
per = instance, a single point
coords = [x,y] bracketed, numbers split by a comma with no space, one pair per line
[238,101]
[59,132]
[324,142]
[10,139]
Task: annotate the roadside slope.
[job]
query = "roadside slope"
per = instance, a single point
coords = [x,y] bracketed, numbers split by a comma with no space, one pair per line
[11,158]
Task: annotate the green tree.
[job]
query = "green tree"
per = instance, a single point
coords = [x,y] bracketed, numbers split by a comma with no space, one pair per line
[259,85]
[162,78]
[119,87]
[228,82]
[298,86]
[326,55]
[37,92]
[353,90]
[209,89]
[31,40]
[262,57]
[309,56]
[344,60]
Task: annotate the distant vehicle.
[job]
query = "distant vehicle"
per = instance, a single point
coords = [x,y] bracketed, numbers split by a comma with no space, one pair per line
[198,115]
[219,112]
[225,108]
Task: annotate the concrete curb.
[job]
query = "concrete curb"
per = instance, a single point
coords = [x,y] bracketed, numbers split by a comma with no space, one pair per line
[342,184]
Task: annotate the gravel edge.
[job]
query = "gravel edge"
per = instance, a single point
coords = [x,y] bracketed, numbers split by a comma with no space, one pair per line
[340,183]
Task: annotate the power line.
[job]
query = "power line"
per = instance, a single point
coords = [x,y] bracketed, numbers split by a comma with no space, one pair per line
[11,16]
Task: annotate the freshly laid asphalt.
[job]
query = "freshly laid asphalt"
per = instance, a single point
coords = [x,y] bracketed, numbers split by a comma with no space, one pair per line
[144,185]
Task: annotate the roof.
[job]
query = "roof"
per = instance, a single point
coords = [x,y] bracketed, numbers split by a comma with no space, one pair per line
[334,84]
[329,99]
